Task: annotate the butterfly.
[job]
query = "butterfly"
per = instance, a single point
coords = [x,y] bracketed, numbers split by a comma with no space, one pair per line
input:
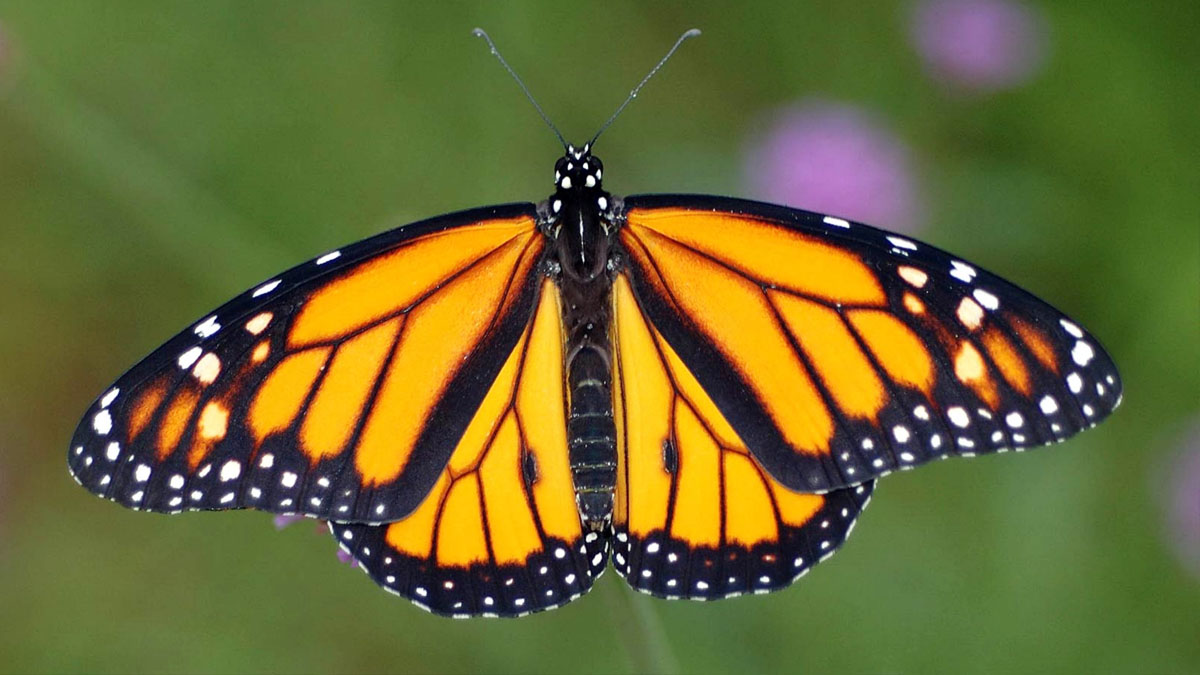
[490,406]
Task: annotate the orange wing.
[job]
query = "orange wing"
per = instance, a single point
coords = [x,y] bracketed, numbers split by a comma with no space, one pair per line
[696,515]
[337,390]
[838,352]
[499,533]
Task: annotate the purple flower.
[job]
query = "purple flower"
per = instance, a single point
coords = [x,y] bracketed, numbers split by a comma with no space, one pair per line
[979,45]
[1184,500]
[834,158]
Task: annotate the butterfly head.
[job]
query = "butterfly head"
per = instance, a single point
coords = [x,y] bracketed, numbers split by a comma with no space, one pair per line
[578,170]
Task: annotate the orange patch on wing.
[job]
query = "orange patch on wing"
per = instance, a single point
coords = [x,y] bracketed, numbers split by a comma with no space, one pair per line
[339,401]
[834,354]
[896,347]
[1007,360]
[1037,342]
[697,515]
[540,407]
[175,420]
[734,315]
[795,508]
[261,351]
[766,251]
[210,429]
[439,335]
[283,392]
[414,534]
[913,304]
[645,397]
[749,515]
[143,408]
[392,282]
[970,369]
[514,532]
[460,539]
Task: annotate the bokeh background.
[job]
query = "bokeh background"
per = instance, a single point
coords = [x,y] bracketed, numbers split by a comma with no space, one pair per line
[157,158]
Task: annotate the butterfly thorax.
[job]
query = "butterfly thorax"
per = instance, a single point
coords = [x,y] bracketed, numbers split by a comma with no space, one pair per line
[581,232]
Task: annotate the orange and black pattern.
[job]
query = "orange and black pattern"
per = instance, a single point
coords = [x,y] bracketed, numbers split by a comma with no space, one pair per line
[697,516]
[839,352]
[337,390]
[488,405]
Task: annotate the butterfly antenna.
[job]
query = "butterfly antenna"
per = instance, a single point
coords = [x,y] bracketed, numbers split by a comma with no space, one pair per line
[479,32]
[633,94]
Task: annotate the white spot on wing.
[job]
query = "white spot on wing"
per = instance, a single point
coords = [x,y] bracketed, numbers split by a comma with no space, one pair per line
[837,222]
[986,299]
[1071,328]
[207,327]
[265,288]
[109,397]
[102,422]
[189,357]
[231,470]
[962,271]
[901,242]
[1075,383]
[332,255]
[1082,353]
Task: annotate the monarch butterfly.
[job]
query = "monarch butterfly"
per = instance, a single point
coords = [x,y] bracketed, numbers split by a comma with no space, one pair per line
[489,405]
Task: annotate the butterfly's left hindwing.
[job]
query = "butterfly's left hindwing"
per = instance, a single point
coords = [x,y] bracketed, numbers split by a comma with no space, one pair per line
[499,533]
[337,389]
[839,352]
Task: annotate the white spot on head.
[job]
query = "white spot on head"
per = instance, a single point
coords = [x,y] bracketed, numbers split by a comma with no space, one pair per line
[1075,383]
[901,242]
[1071,328]
[1082,353]
[962,271]
[556,205]
[958,416]
[986,299]
[265,288]
[142,473]
[113,451]
[288,479]
[590,181]
[207,327]
[837,222]
[1014,419]
[602,203]
[102,422]
[565,183]
[332,255]
[231,470]
[109,397]
[189,357]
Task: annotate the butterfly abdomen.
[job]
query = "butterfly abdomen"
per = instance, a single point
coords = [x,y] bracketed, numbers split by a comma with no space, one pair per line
[591,432]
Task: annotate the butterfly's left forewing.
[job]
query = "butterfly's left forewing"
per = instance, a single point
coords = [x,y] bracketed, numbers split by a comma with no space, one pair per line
[337,390]
[839,352]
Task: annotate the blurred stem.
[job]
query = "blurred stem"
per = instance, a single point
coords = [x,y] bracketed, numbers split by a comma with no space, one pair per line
[640,630]
[172,213]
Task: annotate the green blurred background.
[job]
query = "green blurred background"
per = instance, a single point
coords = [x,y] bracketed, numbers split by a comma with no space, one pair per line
[156,159]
